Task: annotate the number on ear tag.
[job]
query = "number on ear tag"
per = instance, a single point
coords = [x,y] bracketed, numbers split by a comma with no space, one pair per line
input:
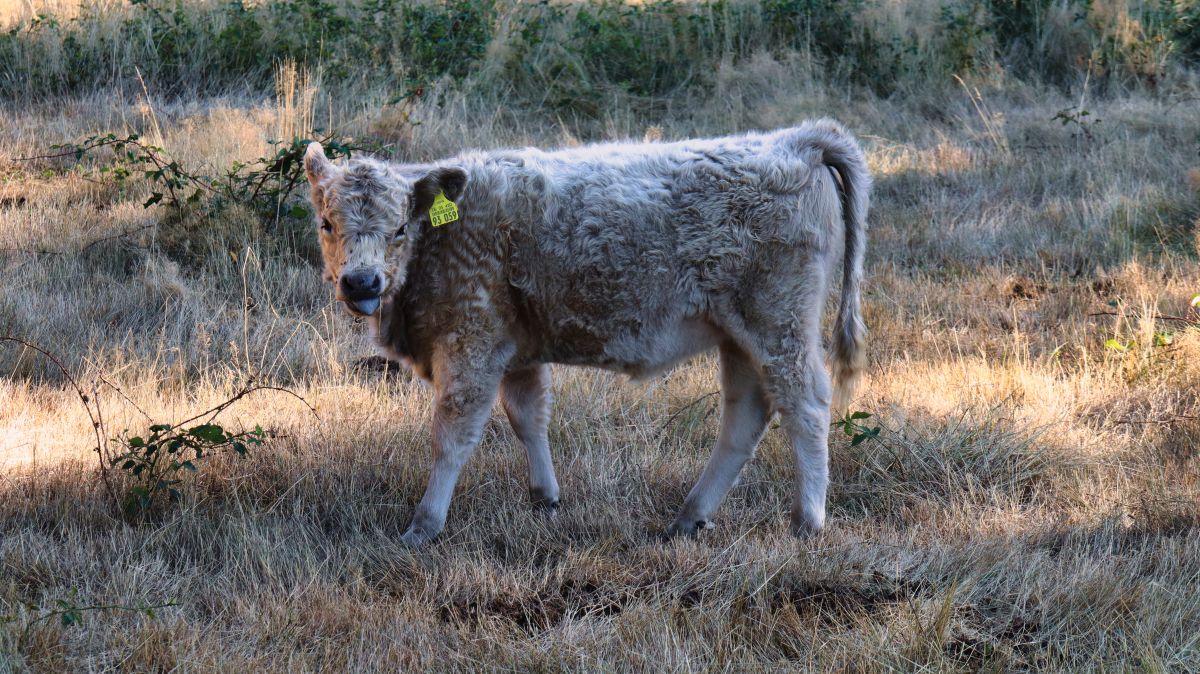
[442,211]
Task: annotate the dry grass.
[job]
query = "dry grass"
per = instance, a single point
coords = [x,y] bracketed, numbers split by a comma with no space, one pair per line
[1032,503]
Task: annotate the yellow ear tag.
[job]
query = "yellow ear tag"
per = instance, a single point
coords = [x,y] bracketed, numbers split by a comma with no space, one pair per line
[442,211]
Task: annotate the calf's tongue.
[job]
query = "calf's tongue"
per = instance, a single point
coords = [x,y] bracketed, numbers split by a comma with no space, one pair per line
[365,307]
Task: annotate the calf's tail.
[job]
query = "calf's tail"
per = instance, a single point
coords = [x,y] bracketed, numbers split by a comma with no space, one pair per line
[840,152]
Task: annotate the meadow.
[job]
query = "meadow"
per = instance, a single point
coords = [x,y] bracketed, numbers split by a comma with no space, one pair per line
[1023,496]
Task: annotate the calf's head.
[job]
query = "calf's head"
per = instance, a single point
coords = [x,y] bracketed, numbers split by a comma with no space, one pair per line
[369,216]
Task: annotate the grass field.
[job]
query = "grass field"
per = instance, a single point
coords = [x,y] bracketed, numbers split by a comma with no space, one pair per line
[1031,502]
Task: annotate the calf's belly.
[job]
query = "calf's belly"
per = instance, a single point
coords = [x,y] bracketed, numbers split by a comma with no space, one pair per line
[643,353]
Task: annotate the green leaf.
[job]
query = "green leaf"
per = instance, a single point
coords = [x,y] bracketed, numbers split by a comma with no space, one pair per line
[298,212]
[157,428]
[211,433]
[861,415]
[1115,345]
[154,199]
[137,441]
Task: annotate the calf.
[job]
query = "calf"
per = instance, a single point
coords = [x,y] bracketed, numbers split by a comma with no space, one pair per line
[480,270]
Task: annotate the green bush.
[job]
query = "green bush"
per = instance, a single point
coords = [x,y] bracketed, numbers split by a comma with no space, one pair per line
[570,55]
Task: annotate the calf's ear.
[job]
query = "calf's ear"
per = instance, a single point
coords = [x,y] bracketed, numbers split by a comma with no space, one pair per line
[316,167]
[448,180]
[316,164]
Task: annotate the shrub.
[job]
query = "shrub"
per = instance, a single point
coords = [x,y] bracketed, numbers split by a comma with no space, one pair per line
[157,462]
[153,463]
[265,185]
[571,55]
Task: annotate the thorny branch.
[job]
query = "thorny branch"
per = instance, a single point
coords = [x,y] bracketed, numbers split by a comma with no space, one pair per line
[94,415]
[91,405]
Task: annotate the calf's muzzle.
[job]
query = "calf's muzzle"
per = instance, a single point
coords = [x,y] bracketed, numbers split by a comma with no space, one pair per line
[360,290]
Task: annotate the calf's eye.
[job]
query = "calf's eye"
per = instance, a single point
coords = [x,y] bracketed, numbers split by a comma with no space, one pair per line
[326,227]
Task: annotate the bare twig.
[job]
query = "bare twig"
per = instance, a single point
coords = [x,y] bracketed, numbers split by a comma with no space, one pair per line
[31,251]
[683,409]
[121,393]
[94,415]
[65,153]
[91,405]
[246,390]
[86,246]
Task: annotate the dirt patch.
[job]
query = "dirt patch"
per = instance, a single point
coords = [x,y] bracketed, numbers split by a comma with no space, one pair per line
[1022,288]
[537,612]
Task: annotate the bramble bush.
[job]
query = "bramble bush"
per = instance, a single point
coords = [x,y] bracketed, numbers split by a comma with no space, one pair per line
[157,462]
[571,53]
[70,613]
[265,184]
[142,474]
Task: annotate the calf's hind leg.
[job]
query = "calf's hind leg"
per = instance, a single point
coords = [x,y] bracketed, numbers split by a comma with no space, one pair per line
[526,397]
[783,335]
[801,391]
[744,416]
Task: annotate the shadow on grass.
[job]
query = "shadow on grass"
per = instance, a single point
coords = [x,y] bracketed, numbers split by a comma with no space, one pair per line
[948,588]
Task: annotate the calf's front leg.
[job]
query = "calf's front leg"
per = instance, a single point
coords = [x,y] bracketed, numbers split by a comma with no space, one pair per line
[463,402]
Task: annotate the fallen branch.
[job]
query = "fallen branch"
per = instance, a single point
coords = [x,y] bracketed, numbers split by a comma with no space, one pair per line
[119,235]
[1161,422]
[1160,317]
[72,614]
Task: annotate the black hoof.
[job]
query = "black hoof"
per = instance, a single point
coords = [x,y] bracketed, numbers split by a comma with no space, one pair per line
[544,503]
[686,529]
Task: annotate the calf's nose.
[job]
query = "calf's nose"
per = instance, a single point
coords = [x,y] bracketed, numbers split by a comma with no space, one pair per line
[361,284]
